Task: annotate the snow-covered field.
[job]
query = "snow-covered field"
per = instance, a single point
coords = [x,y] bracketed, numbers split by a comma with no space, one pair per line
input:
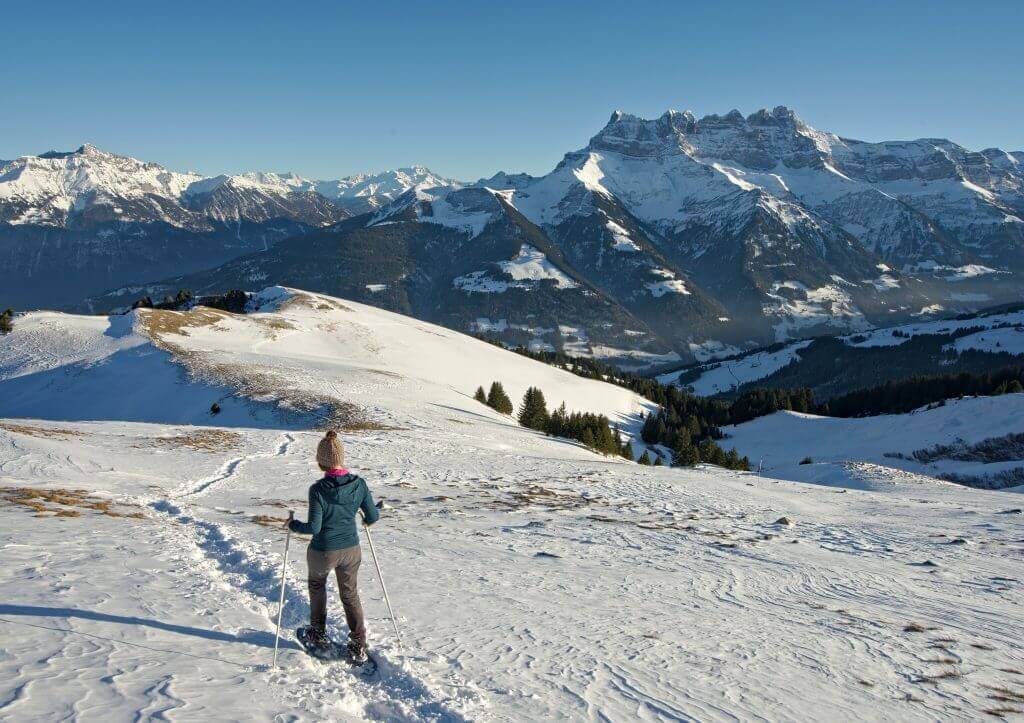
[876,452]
[996,333]
[724,376]
[533,579]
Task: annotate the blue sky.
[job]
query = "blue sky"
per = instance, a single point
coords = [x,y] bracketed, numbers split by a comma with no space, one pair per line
[469,88]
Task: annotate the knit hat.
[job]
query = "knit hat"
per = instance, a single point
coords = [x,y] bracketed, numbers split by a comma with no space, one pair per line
[330,454]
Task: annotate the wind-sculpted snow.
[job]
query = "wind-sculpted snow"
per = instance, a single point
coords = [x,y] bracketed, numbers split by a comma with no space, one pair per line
[532,580]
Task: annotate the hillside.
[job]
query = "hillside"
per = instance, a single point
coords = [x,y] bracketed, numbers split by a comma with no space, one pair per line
[532,578]
[832,366]
[297,360]
[965,439]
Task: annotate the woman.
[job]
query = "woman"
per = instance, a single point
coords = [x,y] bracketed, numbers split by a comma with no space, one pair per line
[334,502]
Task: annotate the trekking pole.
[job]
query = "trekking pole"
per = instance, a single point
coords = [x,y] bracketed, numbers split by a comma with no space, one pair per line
[380,575]
[280,602]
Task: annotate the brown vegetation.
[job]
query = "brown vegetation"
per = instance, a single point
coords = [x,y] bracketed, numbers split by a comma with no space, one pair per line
[56,502]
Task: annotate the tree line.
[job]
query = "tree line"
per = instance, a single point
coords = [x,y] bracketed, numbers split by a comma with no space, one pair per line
[905,395]
[233,301]
[593,430]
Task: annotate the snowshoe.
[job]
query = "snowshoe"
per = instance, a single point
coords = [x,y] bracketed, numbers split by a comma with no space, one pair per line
[357,653]
[318,644]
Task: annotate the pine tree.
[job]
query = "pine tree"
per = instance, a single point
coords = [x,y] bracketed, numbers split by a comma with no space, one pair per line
[658,462]
[481,395]
[498,400]
[1014,387]
[6,327]
[587,438]
[533,412]
[685,454]
[627,450]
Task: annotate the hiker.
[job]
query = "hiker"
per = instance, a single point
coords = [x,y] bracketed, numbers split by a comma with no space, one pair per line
[334,503]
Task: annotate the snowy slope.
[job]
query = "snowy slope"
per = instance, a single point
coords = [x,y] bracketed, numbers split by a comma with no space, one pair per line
[727,375]
[533,580]
[299,352]
[997,333]
[861,453]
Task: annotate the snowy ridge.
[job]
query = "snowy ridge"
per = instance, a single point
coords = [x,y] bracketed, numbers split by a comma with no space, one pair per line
[49,189]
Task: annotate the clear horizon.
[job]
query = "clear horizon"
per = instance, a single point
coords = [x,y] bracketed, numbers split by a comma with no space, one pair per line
[468,91]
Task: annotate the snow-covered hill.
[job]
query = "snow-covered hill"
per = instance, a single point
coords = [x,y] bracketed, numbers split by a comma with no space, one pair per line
[532,578]
[871,452]
[970,342]
[301,359]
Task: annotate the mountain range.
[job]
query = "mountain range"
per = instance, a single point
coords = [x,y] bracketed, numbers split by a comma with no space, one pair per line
[662,240]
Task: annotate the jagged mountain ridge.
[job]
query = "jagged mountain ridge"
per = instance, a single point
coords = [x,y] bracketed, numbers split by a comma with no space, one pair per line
[94,219]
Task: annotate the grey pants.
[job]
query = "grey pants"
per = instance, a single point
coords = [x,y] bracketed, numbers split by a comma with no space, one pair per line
[345,564]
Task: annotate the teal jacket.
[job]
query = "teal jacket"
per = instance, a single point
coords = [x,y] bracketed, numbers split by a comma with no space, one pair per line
[334,503]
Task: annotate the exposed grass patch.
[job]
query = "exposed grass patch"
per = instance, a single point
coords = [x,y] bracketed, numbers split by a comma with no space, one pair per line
[157,322]
[318,303]
[206,440]
[48,433]
[917,628]
[274,323]
[58,502]
[368,426]
[269,520]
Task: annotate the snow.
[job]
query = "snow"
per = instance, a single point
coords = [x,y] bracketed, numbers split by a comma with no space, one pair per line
[527,268]
[621,238]
[532,579]
[897,335]
[885,282]
[444,213]
[724,376]
[530,264]
[670,285]
[52,187]
[1008,340]
[825,306]
[953,273]
[840,448]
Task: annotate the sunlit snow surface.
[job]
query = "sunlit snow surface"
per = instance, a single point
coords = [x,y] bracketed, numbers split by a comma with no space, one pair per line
[533,579]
